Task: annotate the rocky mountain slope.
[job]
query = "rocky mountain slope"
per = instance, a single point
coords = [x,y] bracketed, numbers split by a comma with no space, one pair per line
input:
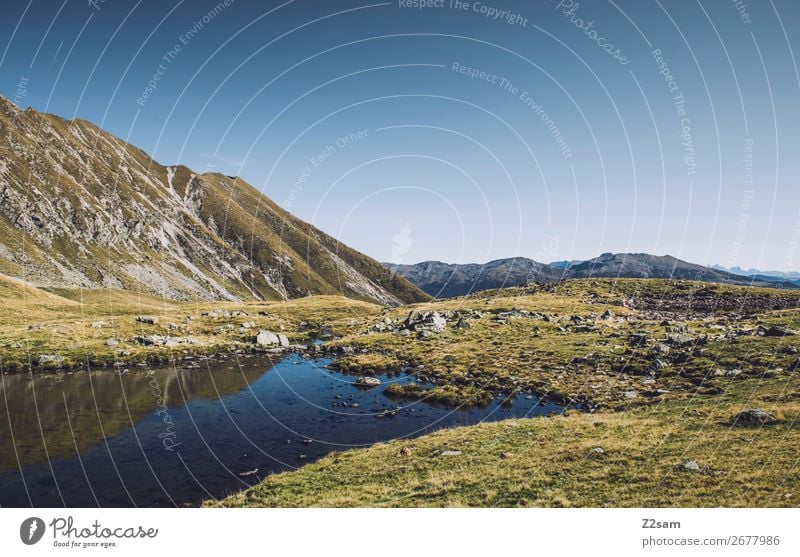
[444,280]
[82,208]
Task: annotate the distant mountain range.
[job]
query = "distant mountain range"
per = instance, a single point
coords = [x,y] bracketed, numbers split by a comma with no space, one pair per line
[781,275]
[443,280]
[80,208]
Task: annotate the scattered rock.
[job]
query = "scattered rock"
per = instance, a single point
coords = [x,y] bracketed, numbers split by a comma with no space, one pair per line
[517,313]
[690,466]
[463,323]
[405,451]
[658,365]
[147,319]
[98,324]
[754,417]
[662,348]
[451,453]
[775,331]
[225,313]
[430,321]
[112,342]
[679,339]
[50,359]
[630,394]
[597,451]
[637,339]
[727,372]
[158,340]
[367,382]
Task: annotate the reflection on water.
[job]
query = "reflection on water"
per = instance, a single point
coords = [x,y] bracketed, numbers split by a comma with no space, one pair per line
[172,437]
[80,409]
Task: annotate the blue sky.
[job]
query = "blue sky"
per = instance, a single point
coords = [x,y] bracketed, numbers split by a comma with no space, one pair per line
[573,136]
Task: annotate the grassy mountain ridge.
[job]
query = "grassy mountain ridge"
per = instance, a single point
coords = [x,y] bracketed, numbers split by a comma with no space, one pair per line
[82,208]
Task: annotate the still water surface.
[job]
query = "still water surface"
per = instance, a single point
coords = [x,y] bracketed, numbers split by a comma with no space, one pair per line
[172,437]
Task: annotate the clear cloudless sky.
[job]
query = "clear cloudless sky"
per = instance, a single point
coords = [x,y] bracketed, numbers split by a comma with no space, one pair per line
[365,119]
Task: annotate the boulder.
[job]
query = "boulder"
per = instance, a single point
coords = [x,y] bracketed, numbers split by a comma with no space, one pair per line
[50,359]
[754,417]
[463,323]
[434,322]
[267,338]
